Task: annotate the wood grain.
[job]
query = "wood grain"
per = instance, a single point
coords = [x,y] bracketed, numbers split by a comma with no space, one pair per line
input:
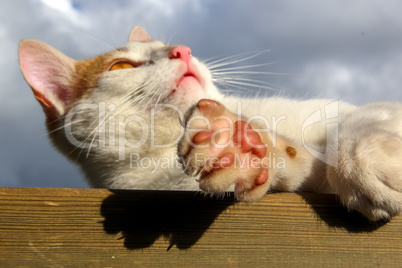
[100,228]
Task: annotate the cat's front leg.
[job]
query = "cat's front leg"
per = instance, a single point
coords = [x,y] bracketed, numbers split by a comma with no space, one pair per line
[223,149]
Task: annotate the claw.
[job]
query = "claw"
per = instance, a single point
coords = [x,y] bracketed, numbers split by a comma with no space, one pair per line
[180,160]
[181,122]
[197,171]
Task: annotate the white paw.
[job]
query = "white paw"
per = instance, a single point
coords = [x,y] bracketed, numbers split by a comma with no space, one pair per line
[221,149]
[368,177]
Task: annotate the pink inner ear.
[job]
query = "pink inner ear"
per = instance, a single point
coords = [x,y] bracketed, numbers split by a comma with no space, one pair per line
[48,72]
[139,35]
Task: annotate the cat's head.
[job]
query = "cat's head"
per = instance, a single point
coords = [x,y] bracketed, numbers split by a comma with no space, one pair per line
[145,70]
[128,81]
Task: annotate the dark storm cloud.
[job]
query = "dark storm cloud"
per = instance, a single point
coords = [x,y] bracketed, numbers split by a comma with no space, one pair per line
[340,49]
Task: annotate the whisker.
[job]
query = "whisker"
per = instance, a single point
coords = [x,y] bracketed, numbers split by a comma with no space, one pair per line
[171,38]
[231,82]
[93,134]
[208,62]
[229,88]
[240,56]
[247,72]
[254,81]
[65,125]
[244,67]
[128,100]
[232,78]
[98,41]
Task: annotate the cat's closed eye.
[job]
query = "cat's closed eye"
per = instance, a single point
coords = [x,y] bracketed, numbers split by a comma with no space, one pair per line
[123,64]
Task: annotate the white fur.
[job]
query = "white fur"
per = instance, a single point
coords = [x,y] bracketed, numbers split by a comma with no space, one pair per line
[365,150]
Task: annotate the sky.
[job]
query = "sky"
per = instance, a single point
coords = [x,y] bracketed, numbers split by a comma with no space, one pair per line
[346,50]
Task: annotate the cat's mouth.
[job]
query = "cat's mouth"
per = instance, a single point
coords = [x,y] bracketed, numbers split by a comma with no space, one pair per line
[187,82]
[186,76]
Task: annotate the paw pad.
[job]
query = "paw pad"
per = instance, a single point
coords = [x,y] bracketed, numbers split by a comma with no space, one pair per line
[207,104]
[248,139]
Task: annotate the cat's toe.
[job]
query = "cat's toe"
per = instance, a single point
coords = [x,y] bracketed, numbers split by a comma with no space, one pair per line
[248,139]
[254,188]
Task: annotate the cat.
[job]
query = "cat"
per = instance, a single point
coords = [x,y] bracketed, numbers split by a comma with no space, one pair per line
[149,116]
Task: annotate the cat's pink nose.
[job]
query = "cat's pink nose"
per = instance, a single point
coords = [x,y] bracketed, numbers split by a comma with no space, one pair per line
[180,52]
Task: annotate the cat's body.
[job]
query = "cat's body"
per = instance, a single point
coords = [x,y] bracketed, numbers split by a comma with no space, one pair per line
[123,126]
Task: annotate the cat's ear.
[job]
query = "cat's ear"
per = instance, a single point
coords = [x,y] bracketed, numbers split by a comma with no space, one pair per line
[138,35]
[48,72]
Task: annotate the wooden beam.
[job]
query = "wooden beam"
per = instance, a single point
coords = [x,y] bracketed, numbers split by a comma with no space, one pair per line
[100,228]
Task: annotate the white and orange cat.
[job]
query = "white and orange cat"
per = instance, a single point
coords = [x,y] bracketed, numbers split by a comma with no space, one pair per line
[140,115]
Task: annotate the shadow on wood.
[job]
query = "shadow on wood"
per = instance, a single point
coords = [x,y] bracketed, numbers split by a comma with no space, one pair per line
[145,216]
[65,228]
[331,211]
